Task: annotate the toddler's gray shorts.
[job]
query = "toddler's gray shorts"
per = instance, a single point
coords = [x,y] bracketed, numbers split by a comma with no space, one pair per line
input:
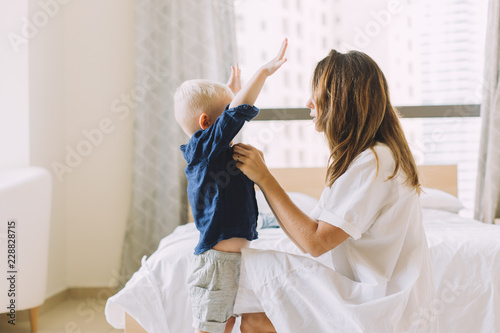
[213,285]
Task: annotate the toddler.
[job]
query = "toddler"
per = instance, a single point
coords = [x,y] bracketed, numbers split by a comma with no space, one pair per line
[222,198]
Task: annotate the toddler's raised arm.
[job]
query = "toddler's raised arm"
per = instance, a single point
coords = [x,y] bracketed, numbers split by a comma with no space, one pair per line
[249,93]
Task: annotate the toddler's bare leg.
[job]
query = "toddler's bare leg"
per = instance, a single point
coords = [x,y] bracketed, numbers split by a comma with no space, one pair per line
[256,323]
[230,325]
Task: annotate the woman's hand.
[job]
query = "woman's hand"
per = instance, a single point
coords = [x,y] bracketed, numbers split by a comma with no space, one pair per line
[234,82]
[251,162]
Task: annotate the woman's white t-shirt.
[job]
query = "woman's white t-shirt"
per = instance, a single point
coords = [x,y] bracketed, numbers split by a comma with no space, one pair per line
[380,277]
[387,245]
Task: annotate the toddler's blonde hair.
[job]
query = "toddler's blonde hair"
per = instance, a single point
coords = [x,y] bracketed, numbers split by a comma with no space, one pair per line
[194,97]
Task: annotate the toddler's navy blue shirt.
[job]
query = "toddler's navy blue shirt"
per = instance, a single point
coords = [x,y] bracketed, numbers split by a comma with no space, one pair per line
[222,198]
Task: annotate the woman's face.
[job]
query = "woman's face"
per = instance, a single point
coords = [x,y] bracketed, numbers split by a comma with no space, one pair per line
[314,112]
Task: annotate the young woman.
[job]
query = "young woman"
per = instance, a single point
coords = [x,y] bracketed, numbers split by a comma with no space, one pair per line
[367,223]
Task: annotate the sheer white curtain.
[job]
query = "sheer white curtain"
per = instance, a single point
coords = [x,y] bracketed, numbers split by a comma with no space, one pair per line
[488,183]
[175,40]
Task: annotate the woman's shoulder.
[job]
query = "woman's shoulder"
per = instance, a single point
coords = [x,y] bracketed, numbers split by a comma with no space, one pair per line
[365,182]
[380,153]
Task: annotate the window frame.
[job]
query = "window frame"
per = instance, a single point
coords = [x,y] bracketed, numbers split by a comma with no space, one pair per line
[419,111]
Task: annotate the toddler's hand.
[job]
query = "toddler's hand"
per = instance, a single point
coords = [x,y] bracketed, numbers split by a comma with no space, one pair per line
[234,82]
[273,65]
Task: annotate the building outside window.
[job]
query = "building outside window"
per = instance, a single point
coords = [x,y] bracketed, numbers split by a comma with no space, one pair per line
[431,52]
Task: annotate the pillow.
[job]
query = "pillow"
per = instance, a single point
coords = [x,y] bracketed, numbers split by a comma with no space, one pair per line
[432,198]
[266,219]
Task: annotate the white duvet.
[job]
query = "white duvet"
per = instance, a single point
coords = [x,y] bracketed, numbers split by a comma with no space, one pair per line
[466,268]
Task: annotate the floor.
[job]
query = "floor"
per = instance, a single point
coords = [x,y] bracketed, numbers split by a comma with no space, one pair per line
[72,316]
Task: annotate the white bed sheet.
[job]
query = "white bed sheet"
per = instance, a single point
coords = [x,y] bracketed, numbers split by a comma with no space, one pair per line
[466,268]
[466,263]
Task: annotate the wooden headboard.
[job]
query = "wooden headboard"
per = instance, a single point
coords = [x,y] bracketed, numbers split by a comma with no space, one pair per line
[311,180]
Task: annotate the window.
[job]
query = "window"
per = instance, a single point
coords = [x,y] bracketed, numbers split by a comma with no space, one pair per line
[431,52]
[440,36]
[448,141]
[285,26]
[286,80]
[432,140]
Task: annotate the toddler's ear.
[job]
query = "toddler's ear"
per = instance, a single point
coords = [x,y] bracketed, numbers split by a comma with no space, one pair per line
[204,121]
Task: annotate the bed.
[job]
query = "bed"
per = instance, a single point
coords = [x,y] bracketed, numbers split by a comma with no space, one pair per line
[465,255]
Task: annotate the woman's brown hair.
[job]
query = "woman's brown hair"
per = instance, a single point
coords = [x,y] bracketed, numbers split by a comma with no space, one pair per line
[355,113]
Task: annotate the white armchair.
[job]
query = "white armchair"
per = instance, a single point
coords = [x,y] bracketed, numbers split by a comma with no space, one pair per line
[25,201]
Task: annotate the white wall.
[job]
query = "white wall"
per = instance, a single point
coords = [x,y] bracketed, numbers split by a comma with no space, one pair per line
[99,68]
[14,106]
[80,62]
[47,119]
